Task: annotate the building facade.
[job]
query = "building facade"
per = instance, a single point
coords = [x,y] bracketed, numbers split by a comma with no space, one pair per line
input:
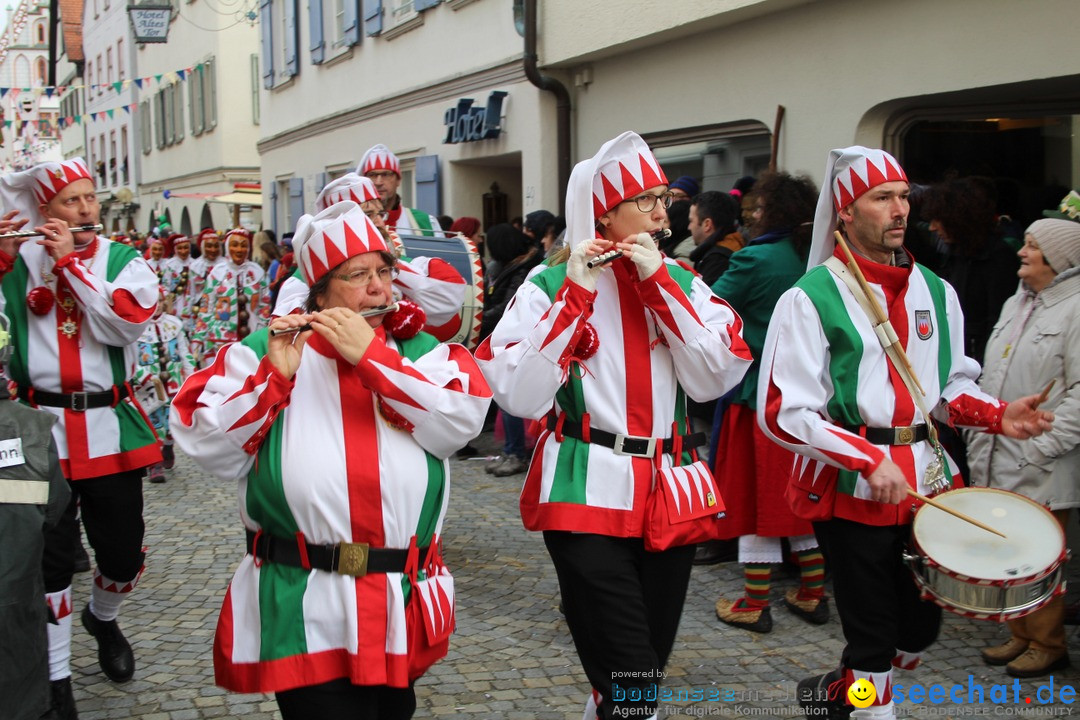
[950,88]
[30,131]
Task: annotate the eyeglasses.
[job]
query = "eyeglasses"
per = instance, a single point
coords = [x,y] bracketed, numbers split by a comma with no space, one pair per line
[380,214]
[361,278]
[645,203]
[377,174]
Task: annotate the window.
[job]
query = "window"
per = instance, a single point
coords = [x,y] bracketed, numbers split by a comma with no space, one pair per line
[112,157]
[287,221]
[334,24]
[120,59]
[93,151]
[101,170]
[89,74]
[282,40]
[39,33]
[124,155]
[145,129]
[401,10]
[100,90]
[202,94]
[108,60]
[39,71]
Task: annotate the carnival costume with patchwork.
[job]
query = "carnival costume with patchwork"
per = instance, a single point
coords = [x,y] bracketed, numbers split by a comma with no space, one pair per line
[648,343]
[338,454]
[234,303]
[199,272]
[74,322]
[179,284]
[164,362]
[827,390]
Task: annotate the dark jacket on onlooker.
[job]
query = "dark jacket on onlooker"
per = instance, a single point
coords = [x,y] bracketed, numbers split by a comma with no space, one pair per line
[513,256]
[712,257]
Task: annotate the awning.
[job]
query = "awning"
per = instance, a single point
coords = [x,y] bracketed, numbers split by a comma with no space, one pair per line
[239,198]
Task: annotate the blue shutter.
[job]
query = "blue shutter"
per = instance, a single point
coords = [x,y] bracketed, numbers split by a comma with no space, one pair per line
[427,184]
[320,181]
[267,25]
[296,199]
[422,5]
[351,31]
[372,17]
[292,37]
[318,45]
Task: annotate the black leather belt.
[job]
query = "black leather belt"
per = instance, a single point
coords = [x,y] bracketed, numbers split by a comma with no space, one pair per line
[906,435]
[78,401]
[356,559]
[632,445]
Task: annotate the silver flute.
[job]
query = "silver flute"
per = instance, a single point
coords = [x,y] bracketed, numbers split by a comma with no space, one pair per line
[611,255]
[35,233]
[370,312]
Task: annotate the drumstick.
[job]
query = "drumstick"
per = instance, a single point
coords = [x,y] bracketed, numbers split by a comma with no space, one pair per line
[878,312]
[1044,395]
[955,513]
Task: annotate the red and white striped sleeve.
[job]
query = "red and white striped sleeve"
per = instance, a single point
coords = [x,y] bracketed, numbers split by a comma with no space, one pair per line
[793,393]
[702,331]
[434,285]
[115,312]
[442,396]
[222,413]
[526,358]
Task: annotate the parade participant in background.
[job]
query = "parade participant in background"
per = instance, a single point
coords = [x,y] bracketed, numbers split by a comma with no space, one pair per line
[343,445]
[77,304]
[440,299]
[199,271]
[236,299]
[383,168]
[33,494]
[155,258]
[751,470]
[1036,342]
[178,282]
[164,361]
[829,392]
[586,341]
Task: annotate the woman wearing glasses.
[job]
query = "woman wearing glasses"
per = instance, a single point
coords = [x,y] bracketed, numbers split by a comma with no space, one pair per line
[610,354]
[338,436]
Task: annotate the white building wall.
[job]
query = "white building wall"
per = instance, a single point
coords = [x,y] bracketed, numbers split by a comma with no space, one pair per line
[23,49]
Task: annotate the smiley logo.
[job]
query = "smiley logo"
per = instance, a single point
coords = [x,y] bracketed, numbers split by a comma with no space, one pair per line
[861,693]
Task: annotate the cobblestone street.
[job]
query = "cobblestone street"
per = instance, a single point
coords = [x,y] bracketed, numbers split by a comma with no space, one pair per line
[512,656]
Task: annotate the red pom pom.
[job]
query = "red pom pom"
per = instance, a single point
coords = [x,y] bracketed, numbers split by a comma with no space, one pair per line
[40,300]
[587,344]
[406,321]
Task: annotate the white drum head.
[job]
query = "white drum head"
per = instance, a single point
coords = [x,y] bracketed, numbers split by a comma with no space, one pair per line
[1033,543]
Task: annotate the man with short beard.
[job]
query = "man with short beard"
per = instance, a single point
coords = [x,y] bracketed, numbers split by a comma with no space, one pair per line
[830,392]
[77,302]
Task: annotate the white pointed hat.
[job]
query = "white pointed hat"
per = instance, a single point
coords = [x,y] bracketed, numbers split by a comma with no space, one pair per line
[324,241]
[349,186]
[378,157]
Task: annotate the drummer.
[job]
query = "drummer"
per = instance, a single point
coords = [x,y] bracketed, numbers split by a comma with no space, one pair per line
[828,392]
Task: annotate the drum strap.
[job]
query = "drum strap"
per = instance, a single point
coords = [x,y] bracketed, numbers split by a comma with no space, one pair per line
[886,335]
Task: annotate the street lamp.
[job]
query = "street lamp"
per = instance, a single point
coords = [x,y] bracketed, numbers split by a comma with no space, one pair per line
[150,22]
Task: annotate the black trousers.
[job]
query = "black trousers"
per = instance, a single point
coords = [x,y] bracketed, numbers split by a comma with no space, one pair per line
[341,700]
[112,514]
[622,605]
[876,596]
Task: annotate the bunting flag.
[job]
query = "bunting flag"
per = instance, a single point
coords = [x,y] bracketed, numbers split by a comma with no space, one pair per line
[138,81]
[117,86]
[3,91]
[158,77]
[180,74]
[110,113]
[49,91]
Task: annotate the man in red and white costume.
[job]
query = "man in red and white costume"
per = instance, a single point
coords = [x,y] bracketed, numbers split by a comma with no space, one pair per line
[440,296]
[337,435]
[177,281]
[77,303]
[653,334]
[828,392]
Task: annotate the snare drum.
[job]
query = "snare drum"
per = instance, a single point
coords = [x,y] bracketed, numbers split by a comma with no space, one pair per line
[977,574]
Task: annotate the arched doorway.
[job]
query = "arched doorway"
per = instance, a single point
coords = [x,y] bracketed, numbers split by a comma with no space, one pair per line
[185,223]
[206,220]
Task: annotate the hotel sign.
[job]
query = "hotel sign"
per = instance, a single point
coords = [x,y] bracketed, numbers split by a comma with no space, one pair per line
[466,123]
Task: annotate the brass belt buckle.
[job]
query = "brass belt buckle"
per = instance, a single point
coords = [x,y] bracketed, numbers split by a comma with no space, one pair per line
[905,435]
[352,559]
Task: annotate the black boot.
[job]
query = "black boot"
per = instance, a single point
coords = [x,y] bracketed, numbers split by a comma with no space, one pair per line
[114,653]
[63,701]
[824,696]
[168,454]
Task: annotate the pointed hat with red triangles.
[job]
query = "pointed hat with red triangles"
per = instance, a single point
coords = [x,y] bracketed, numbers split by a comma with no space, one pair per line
[849,173]
[349,186]
[624,167]
[324,241]
[378,157]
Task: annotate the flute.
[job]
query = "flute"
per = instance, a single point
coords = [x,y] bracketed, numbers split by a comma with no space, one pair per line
[35,233]
[370,312]
[610,255]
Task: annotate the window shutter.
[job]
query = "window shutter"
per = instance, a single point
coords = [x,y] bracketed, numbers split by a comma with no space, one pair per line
[273,209]
[315,20]
[321,180]
[210,93]
[296,198]
[267,24]
[159,121]
[178,110]
[427,184]
[351,30]
[292,37]
[372,17]
[422,5]
[195,99]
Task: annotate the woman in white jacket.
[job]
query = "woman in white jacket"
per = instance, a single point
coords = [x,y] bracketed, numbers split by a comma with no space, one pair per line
[1036,341]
